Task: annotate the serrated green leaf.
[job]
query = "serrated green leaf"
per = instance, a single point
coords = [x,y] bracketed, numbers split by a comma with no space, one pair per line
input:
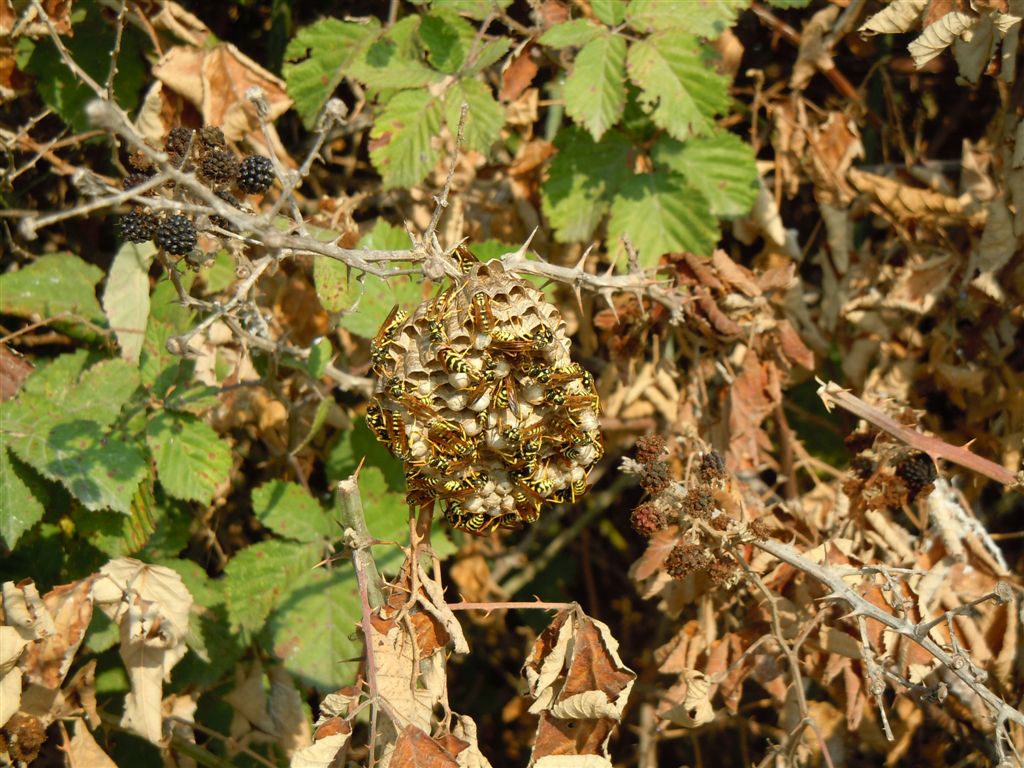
[702,18]
[595,91]
[312,632]
[485,119]
[166,318]
[260,576]
[402,140]
[447,38]
[661,213]
[317,58]
[118,535]
[720,167]
[52,285]
[91,46]
[220,274]
[612,12]
[20,510]
[583,179]
[575,33]
[288,510]
[394,61]
[319,357]
[191,458]
[680,89]
[485,55]
[126,297]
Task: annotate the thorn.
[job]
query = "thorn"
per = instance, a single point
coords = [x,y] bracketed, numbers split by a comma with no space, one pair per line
[521,253]
[611,265]
[583,258]
[579,298]
[606,294]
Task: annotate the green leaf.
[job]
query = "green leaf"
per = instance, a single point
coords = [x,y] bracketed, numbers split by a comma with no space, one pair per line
[52,285]
[447,38]
[680,89]
[191,459]
[703,18]
[595,91]
[402,140]
[126,297]
[720,167]
[220,274]
[613,12]
[317,58]
[485,55]
[484,120]
[20,510]
[575,33]
[584,177]
[359,444]
[260,576]
[661,214]
[90,47]
[319,357]
[313,630]
[118,535]
[394,61]
[789,4]
[287,509]
[167,318]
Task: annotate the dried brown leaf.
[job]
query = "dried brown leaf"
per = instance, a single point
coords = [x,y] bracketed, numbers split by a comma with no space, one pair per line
[416,749]
[82,750]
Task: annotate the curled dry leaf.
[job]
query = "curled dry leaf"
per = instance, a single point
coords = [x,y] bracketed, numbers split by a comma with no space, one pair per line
[579,684]
[151,605]
[896,18]
[695,709]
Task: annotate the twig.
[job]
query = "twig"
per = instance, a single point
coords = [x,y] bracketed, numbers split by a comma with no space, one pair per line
[512,606]
[832,394]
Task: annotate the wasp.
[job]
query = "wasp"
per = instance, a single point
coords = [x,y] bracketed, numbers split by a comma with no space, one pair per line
[464,258]
[566,374]
[483,317]
[376,422]
[462,486]
[398,441]
[452,362]
[472,522]
[509,520]
[505,395]
[578,488]
[385,336]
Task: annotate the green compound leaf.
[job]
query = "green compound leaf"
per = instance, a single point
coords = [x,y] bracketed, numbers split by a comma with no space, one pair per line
[720,167]
[448,38]
[287,509]
[126,297]
[394,61]
[312,631]
[595,91]
[612,12]
[484,120]
[317,58]
[703,18]
[474,9]
[575,33]
[679,88]
[484,55]
[402,140]
[661,213]
[191,459]
[19,507]
[52,285]
[583,179]
[261,576]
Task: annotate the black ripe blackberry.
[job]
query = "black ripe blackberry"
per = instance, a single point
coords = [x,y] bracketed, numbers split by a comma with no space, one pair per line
[219,166]
[178,140]
[712,467]
[176,235]
[136,227]
[220,221]
[917,470]
[212,137]
[255,174]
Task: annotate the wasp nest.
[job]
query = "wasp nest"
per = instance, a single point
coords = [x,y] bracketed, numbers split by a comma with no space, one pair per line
[477,394]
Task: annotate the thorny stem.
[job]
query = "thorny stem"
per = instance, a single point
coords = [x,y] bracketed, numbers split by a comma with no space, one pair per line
[861,607]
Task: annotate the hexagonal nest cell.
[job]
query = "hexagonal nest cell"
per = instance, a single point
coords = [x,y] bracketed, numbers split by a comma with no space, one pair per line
[477,395]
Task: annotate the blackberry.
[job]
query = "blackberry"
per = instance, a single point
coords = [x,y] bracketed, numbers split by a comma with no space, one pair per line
[917,470]
[176,235]
[219,166]
[137,161]
[136,227]
[178,140]
[134,179]
[255,174]
[212,137]
[220,221]
[648,519]
[712,467]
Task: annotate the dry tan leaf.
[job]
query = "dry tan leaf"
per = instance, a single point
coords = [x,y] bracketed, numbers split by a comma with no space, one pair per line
[695,709]
[815,53]
[464,729]
[322,753]
[25,611]
[170,16]
[939,35]
[291,726]
[736,275]
[249,697]
[14,369]
[573,761]
[518,73]
[82,750]
[151,605]
[997,246]
[974,50]
[906,202]
[10,681]
[46,662]
[557,737]
[896,18]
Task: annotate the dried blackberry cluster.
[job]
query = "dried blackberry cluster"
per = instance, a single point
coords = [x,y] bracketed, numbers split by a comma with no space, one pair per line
[477,394]
[205,153]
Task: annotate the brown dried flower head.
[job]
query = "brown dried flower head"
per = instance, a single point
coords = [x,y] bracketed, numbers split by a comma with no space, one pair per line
[478,396]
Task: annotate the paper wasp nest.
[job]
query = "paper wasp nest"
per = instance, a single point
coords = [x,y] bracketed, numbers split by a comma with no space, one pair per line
[477,394]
